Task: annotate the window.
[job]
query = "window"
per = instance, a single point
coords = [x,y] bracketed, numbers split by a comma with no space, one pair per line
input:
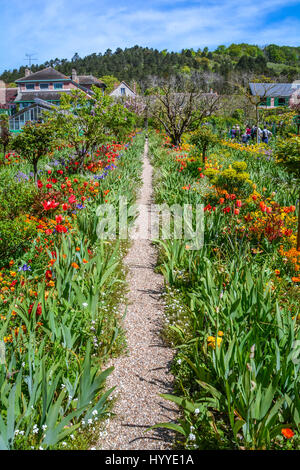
[44,86]
[281,101]
[122,91]
[29,86]
[58,86]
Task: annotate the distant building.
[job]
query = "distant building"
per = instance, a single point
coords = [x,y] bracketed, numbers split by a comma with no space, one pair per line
[7,98]
[123,90]
[45,86]
[48,85]
[275,94]
[33,112]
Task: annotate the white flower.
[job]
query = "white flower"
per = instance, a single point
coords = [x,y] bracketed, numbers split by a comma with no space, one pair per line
[85,304]
[44,427]
[64,443]
[93,448]
[72,436]
[197,411]
[90,421]
[192,437]
[179,361]
[95,412]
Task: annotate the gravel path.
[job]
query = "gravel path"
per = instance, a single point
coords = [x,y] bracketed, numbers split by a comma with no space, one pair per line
[144,373]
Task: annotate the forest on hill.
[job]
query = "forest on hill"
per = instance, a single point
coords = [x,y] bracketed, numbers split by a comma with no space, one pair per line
[215,69]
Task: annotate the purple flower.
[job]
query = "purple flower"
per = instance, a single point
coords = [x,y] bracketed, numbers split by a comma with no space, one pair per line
[25,267]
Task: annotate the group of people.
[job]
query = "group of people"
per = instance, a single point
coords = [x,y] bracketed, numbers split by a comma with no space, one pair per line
[253,133]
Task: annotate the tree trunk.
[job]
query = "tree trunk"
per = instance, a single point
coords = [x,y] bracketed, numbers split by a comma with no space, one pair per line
[204,153]
[257,122]
[35,171]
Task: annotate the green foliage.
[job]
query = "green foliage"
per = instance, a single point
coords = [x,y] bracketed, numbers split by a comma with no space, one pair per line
[5,136]
[35,140]
[288,153]
[140,63]
[110,82]
[203,138]
[237,362]
[87,121]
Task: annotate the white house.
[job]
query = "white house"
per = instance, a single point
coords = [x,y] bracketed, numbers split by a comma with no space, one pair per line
[123,90]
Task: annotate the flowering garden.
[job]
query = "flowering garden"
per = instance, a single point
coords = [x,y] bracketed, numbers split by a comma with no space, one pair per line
[232,307]
[59,285]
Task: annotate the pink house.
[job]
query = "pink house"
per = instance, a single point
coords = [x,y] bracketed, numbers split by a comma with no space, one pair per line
[48,84]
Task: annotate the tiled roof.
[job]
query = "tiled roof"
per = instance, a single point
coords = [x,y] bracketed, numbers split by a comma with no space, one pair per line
[89,80]
[274,89]
[43,95]
[11,94]
[46,74]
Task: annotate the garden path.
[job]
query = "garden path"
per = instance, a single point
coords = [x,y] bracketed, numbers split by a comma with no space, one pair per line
[144,373]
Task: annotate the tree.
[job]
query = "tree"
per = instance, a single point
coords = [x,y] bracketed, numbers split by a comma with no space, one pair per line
[33,142]
[85,121]
[179,106]
[202,139]
[4,132]
[110,82]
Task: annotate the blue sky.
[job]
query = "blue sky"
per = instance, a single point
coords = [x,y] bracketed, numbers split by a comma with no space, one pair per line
[59,28]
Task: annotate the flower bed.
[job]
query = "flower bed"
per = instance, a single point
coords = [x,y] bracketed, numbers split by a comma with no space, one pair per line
[232,307]
[59,316]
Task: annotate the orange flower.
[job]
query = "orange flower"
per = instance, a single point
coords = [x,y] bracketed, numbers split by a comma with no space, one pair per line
[84,261]
[287,432]
[75,265]
[77,248]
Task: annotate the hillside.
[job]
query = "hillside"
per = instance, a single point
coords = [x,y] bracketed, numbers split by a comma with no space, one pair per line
[281,63]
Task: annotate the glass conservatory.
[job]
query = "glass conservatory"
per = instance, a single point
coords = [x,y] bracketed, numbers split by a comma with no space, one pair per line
[30,113]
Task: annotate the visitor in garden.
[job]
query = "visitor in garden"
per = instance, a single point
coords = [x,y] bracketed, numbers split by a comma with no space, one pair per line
[245,138]
[266,134]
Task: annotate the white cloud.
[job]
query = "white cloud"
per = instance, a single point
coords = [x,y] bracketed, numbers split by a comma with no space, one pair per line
[60,27]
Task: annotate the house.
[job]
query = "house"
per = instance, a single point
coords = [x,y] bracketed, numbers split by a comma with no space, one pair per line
[87,81]
[274,94]
[7,97]
[123,90]
[48,85]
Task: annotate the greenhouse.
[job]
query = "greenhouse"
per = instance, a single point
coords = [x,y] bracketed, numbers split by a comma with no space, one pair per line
[31,113]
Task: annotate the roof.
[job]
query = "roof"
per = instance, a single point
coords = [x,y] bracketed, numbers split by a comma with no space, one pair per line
[43,95]
[11,94]
[46,74]
[89,80]
[124,83]
[37,103]
[273,89]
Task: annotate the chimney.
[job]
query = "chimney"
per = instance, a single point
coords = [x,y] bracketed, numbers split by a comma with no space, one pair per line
[74,75]
[27,72]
